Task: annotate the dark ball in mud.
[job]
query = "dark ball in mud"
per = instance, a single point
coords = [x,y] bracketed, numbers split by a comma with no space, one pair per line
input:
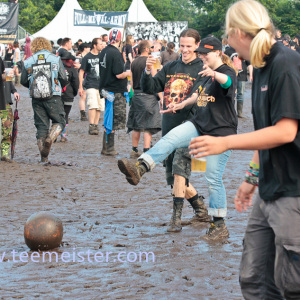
[43,231]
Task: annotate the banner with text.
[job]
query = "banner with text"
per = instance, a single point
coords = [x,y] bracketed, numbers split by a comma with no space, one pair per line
[98,18]
[9,19]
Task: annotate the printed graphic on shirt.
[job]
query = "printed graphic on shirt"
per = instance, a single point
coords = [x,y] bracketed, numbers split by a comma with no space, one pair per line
[94,63]
[204,98]
[177,88]
[264,88]
[103,63]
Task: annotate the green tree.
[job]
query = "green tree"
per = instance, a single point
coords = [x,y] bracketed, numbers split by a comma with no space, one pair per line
[288,17]
[35,14]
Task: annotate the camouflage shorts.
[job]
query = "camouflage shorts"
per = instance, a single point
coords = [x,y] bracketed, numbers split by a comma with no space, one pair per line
[178,163]
[119,120]
[7,119]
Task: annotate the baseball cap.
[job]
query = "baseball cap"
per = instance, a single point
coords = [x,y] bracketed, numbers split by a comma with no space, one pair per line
[209,44]
[115,36]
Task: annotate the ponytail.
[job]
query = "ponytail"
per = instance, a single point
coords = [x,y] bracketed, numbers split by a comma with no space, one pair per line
[251,18]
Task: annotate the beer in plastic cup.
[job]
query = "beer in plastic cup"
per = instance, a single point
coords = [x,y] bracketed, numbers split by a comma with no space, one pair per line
[198,164]
[128,77]
[9,74]
[157,64]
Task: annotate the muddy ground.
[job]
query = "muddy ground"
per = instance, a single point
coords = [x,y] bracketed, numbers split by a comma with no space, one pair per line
[100,211]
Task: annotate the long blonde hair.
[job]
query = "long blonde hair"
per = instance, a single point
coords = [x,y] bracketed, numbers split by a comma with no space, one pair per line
[252,18]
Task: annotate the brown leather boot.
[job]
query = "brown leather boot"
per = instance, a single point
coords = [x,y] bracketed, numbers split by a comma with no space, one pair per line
[133,170]
[51,137]
[175,224]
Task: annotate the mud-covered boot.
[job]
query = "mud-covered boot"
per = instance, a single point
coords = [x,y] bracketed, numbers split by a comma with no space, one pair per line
[5,147]
[132,170]
[239,108]
[40,143]
[175,224]
[109,144]
[200,210]
[51,137]
[83,116]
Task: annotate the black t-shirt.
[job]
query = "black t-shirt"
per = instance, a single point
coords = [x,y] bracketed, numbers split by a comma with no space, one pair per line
[2,97]
[242,76]
[215,113]
[90,65]
[128,49]
[137,68]
[112,64]
[177,80]
[275,95]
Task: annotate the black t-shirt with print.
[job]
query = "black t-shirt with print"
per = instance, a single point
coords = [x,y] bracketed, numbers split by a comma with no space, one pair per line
[275,95]
[215,114]
[90,65]
[112,64]
[177,80]
[137,68]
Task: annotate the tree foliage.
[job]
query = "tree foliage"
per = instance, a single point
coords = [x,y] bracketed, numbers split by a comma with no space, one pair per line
[207,16]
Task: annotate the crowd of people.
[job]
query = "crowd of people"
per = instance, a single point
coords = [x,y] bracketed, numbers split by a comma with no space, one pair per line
[190,96]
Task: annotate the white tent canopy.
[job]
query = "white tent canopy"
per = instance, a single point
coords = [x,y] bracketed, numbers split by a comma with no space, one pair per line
[63,26]
[138,12]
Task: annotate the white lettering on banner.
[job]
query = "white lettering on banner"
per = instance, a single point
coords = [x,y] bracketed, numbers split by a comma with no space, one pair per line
[80,19]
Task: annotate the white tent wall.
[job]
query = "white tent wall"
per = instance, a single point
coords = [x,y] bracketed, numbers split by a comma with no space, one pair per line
[138,12]
[63,26]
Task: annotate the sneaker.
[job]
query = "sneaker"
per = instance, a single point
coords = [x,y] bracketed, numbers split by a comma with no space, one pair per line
[93,129]
[132,171]
[134,154]
[217,232]
[63,139]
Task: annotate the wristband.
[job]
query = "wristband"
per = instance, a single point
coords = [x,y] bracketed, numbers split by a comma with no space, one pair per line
[147,72]
[254,165]
[251,175]
[249,178]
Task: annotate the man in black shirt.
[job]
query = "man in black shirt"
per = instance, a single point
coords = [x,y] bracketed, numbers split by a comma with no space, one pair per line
[113,80]
[90,67]
[177,79]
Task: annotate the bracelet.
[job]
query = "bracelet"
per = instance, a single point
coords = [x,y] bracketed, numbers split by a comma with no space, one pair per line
[147,72]
[254,165]
[249,178]
[251,175]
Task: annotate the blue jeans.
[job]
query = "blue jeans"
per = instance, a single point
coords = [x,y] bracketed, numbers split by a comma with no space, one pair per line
[180,137]
[240,91]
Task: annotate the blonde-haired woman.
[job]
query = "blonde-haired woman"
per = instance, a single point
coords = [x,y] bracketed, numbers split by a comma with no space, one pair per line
[270,266]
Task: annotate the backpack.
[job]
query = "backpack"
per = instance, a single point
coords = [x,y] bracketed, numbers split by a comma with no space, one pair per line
[41,85]
[237,62]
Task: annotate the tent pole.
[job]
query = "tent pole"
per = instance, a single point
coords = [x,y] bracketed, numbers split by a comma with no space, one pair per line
[121,45]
